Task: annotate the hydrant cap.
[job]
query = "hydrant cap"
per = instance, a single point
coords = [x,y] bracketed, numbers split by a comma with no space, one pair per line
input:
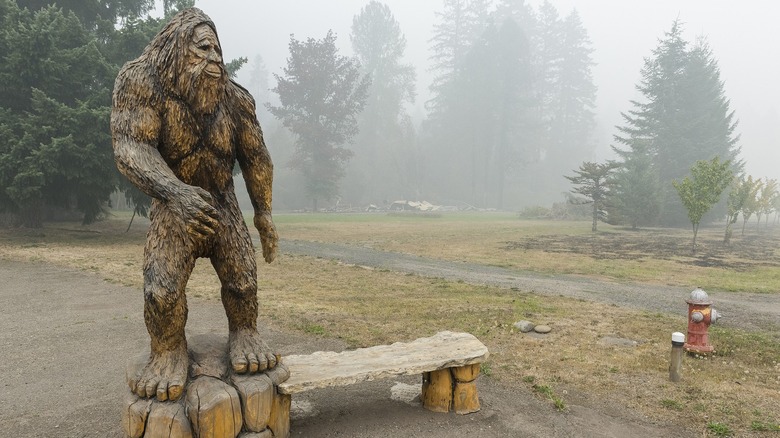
[698,296]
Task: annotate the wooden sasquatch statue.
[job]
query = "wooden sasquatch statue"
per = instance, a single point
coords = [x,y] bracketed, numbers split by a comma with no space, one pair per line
[179,124]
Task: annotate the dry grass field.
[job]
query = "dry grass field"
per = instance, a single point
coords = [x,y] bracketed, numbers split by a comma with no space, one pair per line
[735,392]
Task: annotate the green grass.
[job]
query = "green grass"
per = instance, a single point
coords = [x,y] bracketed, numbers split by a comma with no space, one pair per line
[719,429]
[761,426]
[548,392]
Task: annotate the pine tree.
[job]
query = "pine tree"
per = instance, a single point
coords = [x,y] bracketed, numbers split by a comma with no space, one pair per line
[569,98]
[384,159]
[595,182]
[683,118]
[55,90]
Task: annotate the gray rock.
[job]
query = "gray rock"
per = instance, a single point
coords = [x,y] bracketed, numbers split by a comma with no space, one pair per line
[542,329]
[524,326]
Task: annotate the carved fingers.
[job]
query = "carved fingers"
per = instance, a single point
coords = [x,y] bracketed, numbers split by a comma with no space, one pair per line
[198,212]
[268,236]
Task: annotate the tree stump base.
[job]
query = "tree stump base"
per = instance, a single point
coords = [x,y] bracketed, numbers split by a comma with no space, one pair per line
[216,402]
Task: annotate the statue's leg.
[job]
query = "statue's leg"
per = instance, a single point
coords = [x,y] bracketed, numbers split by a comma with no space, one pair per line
[168,262]
[234,261]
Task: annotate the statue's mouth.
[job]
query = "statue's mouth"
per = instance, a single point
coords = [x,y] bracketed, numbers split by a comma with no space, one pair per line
[213,70]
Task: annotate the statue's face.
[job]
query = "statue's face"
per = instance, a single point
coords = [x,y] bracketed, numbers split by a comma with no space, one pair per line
[205,55]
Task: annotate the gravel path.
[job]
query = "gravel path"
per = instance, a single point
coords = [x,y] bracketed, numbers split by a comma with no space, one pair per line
[740,309]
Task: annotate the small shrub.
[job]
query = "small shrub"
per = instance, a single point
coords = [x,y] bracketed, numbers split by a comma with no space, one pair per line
[535,212]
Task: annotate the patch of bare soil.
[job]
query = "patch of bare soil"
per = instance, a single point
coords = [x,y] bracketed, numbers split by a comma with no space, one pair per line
[742,253]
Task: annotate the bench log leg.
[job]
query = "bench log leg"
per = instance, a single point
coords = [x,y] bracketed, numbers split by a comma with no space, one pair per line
[437,390]
[451,389]
[465,399]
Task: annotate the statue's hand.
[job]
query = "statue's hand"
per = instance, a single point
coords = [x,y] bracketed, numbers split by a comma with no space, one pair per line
[195,206]
[268,237]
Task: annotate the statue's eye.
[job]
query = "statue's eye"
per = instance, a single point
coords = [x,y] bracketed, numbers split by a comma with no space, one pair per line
[205,47]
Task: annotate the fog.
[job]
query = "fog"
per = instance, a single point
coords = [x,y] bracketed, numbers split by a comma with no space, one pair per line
[742,37]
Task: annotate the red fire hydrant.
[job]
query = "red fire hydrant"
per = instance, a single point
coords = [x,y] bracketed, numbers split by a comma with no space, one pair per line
[700,316]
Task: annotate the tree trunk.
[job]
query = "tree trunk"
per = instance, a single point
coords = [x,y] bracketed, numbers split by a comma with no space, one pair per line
[729,221]
[695,232]
[31,215]
[595,217]
[131,220]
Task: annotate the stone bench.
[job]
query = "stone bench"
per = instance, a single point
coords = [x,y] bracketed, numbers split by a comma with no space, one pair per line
[218,404]
[449,363]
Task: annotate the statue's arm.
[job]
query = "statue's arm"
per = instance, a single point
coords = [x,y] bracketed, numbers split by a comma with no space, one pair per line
[258,172]
[135,131]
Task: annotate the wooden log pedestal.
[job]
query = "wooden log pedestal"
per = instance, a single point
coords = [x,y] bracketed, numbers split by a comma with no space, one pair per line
[216,403]
[219,404]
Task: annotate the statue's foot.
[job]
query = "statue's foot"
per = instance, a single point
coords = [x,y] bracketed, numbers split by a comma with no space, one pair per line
[163,377]
[249,353]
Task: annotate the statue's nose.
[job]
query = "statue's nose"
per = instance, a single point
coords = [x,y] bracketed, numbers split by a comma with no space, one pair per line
[213,56]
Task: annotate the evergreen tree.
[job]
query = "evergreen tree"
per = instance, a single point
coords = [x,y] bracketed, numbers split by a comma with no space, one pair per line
[573,101]
[59,64]
[635,199]
[519,12]
[485,117]
[459,25]
[55,86]
[595,182]
[259,85]
[320,94]
[683,118]
[384,155]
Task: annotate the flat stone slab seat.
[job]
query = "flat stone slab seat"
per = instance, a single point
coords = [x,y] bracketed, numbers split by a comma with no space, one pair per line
[449,363]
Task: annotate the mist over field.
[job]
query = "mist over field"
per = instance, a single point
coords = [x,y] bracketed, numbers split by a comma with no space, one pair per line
[540,107]
[621,34]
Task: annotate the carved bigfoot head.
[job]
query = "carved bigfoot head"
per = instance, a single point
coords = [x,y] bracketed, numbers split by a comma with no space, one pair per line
[189,60]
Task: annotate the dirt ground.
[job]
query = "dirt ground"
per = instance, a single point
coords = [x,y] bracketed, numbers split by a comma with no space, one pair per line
[66,337]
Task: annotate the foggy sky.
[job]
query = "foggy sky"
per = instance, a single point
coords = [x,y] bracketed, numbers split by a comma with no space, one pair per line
[742,35]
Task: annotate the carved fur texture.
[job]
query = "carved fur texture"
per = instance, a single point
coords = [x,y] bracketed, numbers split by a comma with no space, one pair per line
[179,125]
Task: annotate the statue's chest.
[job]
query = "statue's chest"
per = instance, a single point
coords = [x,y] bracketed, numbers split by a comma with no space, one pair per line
[187,137]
